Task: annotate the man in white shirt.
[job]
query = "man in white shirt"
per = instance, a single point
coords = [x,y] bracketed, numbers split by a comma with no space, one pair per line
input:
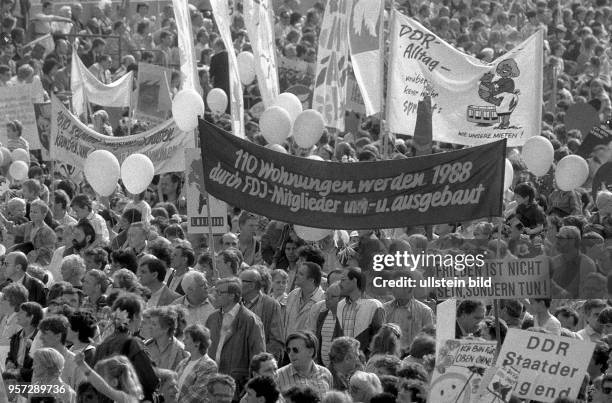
[195,300]
[540,309]
[83,208]
[592,330]
[299,301]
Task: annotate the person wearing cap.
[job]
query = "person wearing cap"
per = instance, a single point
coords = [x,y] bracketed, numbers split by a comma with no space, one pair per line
[563,266]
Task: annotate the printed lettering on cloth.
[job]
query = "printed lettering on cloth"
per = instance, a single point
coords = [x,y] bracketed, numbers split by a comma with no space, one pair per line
[365,43]
[446,187]
[473,102]
[549,366]
[87,88]
[222,16]
[258,21]
[16,103]
[43,123]
[189,67]
[153,99]
[72,141]
[332,64]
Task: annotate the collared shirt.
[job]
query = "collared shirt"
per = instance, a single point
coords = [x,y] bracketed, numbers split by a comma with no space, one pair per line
[319,378]
[170,356]
[196,315]
[551,324]
[411,318]
[226,324]
[327,335]
[348,317]
[588,333]
[297,312]
[154,300]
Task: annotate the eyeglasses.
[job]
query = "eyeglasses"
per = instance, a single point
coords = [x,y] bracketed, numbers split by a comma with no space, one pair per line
[606,391]
[4,263]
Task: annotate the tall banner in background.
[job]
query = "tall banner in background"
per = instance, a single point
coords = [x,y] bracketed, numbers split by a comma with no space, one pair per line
[86,88]
[189,67]
[153,99]
[72,142]
[258,21]
[366,46]
[472,102]
[223,18]
[16,104]
[332,64]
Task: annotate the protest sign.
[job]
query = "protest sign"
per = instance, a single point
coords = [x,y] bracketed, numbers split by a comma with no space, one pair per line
[16,104]
[329,96]
[460,365]
[72,142]
[484,278]
[599,135]
[497,384]
[153,99]
[438,188]
[196,198]
[473,102]
[446,318]
[43,123]
[549,366]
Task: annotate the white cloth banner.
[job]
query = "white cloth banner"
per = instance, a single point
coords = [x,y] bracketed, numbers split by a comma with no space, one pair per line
[332,64]
[87,88]
[222,16]
[189,67]
[472,102]
[16,103]
[365,44]
[258,22]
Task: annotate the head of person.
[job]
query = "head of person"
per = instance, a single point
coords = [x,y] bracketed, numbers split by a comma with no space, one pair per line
[263,364]
[488,329]
[204,264]
[310,253]
[229,292]
[291,248]
[47,363]
[16,264]
[60,204]
[262,389]
[568,317]
[229,240]
[162,322]
[14,129]
[30,314]
[168,384]
[83,327]
[252,282]
[352,280]
[592,308]
[604,319]
[81,205]
[195,286]
[387,340]
[120,374]
[308,276]
[568,239]
[280,278]
[182,256]
[16,208]
[170,183]
[13,295]
[127,312]
[344,354]
[384,364]
[54,331]
[96,258]
[301,394]
[469,315]
[248,224]
[137,235]
[228,263]
[363,386]
[73,269]
[151,271]
[83,234]
[301,348]
[333,296]
[221,388]
[31,189]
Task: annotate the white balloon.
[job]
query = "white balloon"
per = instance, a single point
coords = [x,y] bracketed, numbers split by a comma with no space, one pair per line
[217,100]
[246,67]
[277,147]
[187,105]
[19,154]
[102,171]
[538,154]
[571,172]
[137,172]
[291,103]
[315,157]
[7,158]
[19,170]
[275,125]
[311,234]
[308,128]
[509,175]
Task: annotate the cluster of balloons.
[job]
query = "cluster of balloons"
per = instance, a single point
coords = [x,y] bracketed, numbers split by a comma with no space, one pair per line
[102,171]
[188,105]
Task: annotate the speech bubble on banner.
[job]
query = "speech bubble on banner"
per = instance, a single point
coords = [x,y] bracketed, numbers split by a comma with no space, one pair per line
[582,117]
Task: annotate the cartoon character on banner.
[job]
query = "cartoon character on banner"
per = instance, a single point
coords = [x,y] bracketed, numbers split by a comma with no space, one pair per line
[500,92]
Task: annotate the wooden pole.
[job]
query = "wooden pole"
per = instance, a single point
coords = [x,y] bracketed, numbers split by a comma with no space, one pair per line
[496,301]
[381,70]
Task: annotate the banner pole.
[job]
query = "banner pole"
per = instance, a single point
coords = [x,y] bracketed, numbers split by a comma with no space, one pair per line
[555,89]
[496,301]
[383,117]
[211,238]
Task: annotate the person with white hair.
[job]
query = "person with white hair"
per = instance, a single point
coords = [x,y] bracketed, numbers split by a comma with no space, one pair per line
[73,270]
[363,386]
[195,300]
[48,364]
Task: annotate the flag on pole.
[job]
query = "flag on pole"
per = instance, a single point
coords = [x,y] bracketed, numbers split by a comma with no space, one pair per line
[189,67]
[222,16]
[366,46]
[473,102]
[87,88]
[332,64]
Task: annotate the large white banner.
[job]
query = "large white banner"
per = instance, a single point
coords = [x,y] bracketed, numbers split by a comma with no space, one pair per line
[332,64]
[365,43]
[72,142]
[222,16]
[472,102]
[258,21]
[189,67]
[16,104]
[87,88]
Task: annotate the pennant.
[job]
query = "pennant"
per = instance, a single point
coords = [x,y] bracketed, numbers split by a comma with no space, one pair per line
[473,102]
[189,67]
[366,44]
[222,16]
[258,22]
[332,64]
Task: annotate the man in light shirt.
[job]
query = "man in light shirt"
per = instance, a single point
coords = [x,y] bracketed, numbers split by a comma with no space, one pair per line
[299,301]
[540,309]
[196,300]
[592,330]
[151,273]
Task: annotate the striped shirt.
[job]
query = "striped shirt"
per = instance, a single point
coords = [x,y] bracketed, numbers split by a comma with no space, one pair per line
[298,309]
[348,318]
[319,378]
[327,334]
[19,142]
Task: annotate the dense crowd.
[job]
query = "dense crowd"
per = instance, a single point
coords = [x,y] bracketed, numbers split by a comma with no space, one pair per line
[112,299]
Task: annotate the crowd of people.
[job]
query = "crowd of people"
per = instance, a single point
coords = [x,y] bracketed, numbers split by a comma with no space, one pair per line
[112,299]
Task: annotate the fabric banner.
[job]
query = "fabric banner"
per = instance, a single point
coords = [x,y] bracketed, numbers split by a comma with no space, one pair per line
[549,366]
[72,141]
[354,100]
[460,366]
[332,64]
[492,279]
[153,99]
[258,21]
[16,104]
[365,43]
[223,18]
[473,102]
[189,66]
[599,135]
[86,88]
[197,210]
[447,187]
[43,123]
